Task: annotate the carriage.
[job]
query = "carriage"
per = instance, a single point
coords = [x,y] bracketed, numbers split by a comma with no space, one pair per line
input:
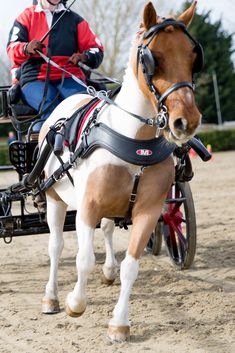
[127,164]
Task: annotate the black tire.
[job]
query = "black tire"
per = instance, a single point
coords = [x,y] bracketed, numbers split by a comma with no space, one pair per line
[179,225]
[155,241]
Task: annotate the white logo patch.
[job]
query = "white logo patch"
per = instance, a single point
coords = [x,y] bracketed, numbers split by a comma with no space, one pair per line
[14,35]
[144,152]
[93,50]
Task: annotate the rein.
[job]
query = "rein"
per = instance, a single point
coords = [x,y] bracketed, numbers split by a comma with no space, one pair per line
[160,122]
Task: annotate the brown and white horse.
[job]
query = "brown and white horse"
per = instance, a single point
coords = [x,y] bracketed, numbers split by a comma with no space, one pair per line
[103,182]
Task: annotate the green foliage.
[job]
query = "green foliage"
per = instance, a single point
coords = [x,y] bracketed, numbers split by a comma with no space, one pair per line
[217,46]
[220,140]
[4,129]
[4,155]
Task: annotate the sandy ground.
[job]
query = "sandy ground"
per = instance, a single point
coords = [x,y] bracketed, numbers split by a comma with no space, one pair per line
[176,311]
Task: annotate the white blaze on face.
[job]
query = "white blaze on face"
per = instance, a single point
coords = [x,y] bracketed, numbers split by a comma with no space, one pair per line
[187,95]
[189,98]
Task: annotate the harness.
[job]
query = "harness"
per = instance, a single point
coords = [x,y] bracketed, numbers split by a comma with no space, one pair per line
[98,135]
[95,135]
[138,152]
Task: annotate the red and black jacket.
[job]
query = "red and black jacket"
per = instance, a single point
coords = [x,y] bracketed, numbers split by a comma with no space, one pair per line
[72,34]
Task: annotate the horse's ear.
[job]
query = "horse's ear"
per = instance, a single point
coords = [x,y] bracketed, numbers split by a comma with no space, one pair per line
[150,16]
[187,16]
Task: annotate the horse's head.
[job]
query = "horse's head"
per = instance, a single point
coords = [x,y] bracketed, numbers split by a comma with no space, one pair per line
[167,58]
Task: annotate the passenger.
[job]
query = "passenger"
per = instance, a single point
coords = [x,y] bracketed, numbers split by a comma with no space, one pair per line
[11,137]
[70,41]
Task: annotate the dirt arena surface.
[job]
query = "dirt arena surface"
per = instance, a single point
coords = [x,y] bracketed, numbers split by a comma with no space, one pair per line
[171,311]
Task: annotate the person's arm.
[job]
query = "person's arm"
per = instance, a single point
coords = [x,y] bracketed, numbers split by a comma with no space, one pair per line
[90,48]
[18,38]
[19,48]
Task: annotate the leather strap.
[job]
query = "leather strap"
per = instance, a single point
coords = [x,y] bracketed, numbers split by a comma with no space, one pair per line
[138,152]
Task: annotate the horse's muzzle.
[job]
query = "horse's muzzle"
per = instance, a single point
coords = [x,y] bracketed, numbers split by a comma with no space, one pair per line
[181,130]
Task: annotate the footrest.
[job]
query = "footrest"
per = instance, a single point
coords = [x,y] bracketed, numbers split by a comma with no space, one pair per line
[22,156]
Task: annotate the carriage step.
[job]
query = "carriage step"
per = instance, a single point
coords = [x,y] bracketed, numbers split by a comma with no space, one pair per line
[176,200]
[22,156]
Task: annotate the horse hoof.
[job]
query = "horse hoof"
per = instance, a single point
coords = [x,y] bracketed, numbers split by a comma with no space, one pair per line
[73,313]
[105,280]
[50,306]
[118,333]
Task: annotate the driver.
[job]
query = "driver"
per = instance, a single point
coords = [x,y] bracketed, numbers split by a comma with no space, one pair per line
[71,40]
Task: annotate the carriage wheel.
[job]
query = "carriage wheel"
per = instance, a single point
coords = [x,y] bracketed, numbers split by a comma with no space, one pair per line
[155,242]
[179,225]
[5,211]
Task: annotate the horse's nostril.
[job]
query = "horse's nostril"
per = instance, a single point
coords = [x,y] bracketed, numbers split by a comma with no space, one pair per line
[180,124]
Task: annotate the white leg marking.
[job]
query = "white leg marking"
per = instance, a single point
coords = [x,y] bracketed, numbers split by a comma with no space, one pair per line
[128,275]
[56,211]
[76,300]
[110,266]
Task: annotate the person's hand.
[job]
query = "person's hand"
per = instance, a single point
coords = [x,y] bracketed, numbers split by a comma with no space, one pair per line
[30,47]
[75,58]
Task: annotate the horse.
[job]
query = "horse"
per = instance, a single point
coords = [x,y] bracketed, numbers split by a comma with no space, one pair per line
[156,100]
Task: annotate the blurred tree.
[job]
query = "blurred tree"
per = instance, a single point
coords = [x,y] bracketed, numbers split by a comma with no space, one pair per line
[115,22]
[218,51]
[5,78]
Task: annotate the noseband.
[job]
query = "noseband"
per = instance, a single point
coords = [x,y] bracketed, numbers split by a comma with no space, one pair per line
[149,64]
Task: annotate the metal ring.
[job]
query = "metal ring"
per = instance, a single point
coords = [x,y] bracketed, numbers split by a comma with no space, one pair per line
[92,91]
[101,94]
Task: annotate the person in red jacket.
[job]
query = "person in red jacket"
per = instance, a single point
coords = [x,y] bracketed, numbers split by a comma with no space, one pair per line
[71,40]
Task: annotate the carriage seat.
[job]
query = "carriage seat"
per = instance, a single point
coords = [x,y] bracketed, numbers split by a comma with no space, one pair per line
[12,104]
[16,107]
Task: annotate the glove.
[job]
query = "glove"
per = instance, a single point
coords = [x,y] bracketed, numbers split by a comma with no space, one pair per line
[30,47]
[75,58]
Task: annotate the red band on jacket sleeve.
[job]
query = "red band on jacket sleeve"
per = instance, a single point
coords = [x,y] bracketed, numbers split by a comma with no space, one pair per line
[86,38]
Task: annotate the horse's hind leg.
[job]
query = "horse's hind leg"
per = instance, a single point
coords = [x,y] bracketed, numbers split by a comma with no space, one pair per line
[76,300]
[56,211]
[110,266]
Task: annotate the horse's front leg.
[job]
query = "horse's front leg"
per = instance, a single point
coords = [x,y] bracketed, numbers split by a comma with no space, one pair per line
[146,212]
[110,266]
[119,325]
[56,211]
[76,300]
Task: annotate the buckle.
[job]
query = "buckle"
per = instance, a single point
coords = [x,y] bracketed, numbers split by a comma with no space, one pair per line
[132,197]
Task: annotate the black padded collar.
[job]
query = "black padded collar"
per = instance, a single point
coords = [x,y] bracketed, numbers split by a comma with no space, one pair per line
[138,152]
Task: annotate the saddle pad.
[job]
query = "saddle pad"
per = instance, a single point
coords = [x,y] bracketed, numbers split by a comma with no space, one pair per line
[74,125]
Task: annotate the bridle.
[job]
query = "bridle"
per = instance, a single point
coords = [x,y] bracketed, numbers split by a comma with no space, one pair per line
[148,64]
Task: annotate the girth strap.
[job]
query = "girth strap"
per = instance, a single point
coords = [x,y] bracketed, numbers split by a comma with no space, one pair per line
[123,222]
